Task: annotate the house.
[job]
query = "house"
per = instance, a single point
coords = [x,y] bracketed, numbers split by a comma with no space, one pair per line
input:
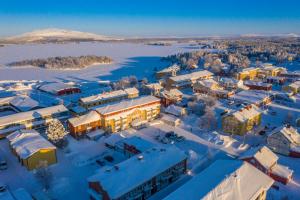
[256,85]
[32,119]
[228,83]
[134,145]
[258,97]
[187,80]
[81,125]
[60,89]
[170,96]
[293,87]
[167,72]
[247,74]
[140,176]
[119,116]
[211,87]
[266,161]
[241,121]
[270,70]
[31,148]
[275,80]
[108,97]
[176,110]
[153,89]
[170,120]
[21,103]
[285,140]
[225,180]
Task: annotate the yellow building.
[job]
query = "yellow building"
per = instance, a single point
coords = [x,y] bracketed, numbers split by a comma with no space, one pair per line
[32,149]
[270,70]
[121,115]
[293,87]
[242,121]
[247,74]
[108,97]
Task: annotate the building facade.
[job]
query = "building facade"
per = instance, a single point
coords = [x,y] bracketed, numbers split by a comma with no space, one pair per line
[285,140]
[80,126]
[32,119]
[108,97]
[119,116]
[32,149]
[241,121]
[163,166]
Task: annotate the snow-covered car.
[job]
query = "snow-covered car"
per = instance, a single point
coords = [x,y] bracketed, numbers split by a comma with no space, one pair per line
[3,188]
[3,164]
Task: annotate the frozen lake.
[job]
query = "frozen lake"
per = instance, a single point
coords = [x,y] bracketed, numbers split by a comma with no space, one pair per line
[129,59]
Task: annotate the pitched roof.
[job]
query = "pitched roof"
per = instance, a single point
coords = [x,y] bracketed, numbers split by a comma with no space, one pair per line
[289,132]
[263,155]
[92,116]
[246,113]
[226,180]
[23,116]
[53,88]
[126,104]
[27,142]
[194,75]
[127,175]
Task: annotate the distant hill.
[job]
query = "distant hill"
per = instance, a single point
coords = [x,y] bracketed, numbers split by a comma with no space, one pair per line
[55,35]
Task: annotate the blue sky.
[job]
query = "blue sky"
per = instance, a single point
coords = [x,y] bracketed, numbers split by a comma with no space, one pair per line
[152,17]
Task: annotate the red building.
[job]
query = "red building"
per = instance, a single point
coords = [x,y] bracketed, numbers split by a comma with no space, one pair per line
[60,89]
[253,85]
[266,161]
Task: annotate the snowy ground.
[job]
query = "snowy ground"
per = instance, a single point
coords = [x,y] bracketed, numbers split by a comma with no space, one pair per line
[129,59]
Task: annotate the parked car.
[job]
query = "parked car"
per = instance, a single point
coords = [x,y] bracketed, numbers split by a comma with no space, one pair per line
[3,164]
[3,188]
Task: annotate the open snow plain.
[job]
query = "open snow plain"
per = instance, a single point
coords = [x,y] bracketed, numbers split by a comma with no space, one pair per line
[129,59]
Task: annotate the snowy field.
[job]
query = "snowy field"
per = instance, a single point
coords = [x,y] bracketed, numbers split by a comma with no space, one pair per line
[129,59]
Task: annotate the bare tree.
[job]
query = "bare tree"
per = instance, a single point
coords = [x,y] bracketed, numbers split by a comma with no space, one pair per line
[44,175]
[208,121]
[288,118]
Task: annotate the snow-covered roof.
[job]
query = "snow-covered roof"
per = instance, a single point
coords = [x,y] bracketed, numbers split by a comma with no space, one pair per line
[208,83]
[169,118]
[295,84]
[136,141]
[126,104]
[248,69]
[256,83]
[246,113]
[109,95]
[282,171]
[155,86]
[54,88]
[263,155]
[132,90]
[6,100]
[174,110]
[191,76]
[171,93]
[226,180]
[252,96]
[24,103]
[124,177]
[289,132]
[174,67]
[24,116]
[27,142]
[90,117]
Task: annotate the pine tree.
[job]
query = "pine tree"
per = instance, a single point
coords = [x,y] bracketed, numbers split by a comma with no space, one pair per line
[56,132]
